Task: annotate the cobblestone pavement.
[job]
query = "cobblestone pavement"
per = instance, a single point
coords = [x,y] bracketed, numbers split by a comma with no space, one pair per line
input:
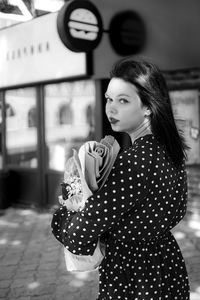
[32,265]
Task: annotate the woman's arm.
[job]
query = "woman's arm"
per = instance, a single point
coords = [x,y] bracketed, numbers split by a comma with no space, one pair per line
[126,185]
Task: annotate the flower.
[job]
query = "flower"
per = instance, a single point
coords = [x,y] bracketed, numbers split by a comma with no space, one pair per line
[72,187]
[72,190]
[87,171]
[97,159]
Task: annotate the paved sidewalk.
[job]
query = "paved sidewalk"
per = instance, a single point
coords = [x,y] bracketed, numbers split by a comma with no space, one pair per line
[32,265]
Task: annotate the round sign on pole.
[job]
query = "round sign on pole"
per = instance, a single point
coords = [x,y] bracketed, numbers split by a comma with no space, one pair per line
[127,33]
[79,25]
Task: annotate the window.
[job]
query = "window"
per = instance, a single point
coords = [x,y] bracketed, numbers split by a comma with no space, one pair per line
[9,111]
[32,117]
[21,136]
[69,119]
[65,114]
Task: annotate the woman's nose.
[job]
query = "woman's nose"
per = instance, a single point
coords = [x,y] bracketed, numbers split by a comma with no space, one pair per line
[111,108]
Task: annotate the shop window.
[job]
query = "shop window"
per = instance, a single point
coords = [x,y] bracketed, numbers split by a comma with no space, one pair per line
[72,103]
[9,111]
[90,120]
[65,114]
[21,138]
[32,121]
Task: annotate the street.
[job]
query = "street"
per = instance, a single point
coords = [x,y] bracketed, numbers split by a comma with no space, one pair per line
[32,262]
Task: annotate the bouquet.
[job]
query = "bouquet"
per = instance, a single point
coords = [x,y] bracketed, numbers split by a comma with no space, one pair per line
[86,172]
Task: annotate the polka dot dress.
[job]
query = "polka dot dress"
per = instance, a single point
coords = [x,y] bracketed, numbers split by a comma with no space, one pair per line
[144,197]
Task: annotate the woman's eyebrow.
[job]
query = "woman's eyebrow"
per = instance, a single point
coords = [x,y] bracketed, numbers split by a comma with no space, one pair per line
[120,95]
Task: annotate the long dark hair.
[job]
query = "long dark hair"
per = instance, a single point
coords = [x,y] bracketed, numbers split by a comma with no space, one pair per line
[153,92]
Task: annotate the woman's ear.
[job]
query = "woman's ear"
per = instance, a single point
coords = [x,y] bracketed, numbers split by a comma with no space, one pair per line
[147,112]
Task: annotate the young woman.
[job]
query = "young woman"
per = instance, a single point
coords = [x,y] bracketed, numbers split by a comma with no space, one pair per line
[144,197]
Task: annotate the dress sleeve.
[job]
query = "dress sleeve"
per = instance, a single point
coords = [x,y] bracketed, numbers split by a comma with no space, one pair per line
[125,186]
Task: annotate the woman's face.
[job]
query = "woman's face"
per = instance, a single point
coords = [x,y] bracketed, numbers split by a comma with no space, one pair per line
[124,108]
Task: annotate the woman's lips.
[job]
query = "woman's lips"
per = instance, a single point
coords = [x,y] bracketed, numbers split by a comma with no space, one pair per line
[113,120]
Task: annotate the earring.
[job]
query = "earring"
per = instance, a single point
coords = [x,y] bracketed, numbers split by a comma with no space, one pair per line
[147,113]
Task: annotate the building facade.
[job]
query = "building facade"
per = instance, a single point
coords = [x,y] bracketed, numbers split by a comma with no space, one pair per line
[52,91]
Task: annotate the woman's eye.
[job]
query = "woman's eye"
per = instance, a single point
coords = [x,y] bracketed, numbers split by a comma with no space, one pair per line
[122,100]
[108,99]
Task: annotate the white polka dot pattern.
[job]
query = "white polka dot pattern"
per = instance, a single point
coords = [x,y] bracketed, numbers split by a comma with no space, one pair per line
[144,197]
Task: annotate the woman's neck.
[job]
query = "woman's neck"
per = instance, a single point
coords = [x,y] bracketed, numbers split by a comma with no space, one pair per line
[143,129]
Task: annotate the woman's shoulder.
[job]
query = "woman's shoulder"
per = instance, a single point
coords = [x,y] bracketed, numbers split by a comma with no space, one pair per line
[141,149]
[146,140]
[144,148]
[147,143]
[150,146]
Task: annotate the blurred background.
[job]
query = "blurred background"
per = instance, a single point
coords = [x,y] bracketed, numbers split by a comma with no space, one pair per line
[55,58]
